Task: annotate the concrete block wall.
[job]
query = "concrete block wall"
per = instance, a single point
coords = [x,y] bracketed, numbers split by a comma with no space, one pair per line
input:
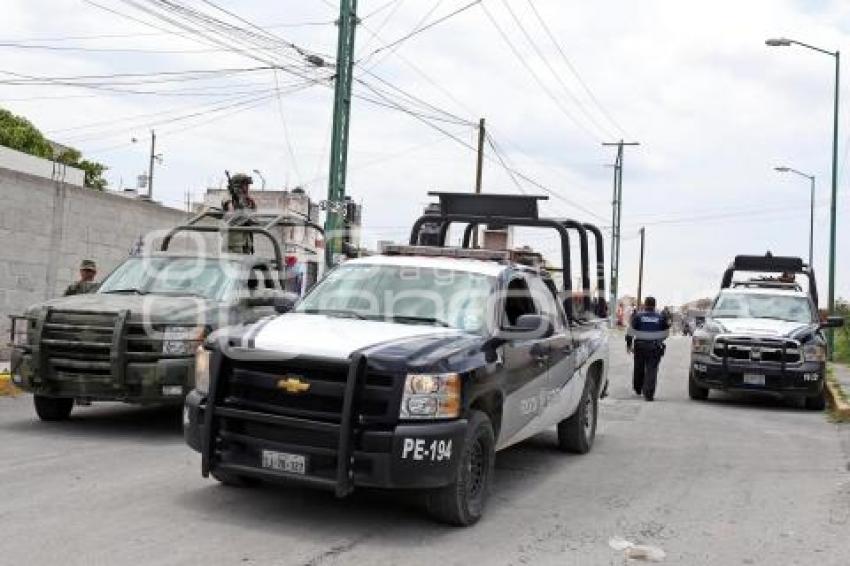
[48,226]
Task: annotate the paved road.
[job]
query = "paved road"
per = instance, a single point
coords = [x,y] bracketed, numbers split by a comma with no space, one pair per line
[722,482]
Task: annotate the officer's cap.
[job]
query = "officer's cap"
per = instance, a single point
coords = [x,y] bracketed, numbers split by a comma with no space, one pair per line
[88,264]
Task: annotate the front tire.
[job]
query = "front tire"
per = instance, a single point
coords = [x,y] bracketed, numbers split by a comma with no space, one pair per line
[233,480]
[576,433]
[816,402]
[462,502]
[53,408]
[696,392]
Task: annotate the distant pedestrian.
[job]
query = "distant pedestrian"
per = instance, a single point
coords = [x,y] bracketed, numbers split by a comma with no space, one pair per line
[86,284]
[645,337]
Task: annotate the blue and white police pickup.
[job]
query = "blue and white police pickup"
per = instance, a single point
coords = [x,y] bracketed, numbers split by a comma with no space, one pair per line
[400,371]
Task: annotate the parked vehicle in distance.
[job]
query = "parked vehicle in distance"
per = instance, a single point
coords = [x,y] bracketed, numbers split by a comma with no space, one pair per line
[134,339]
[763,334]
[408,370]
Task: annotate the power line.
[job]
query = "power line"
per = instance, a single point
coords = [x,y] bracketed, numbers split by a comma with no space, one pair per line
[286,136]
[382,25]
[574,71]
[554,73]
[535,76]
[375,35]
[425,27]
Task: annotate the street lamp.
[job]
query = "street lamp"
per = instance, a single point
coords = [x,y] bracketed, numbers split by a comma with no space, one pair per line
[811,179]
[784,42]
[262,178]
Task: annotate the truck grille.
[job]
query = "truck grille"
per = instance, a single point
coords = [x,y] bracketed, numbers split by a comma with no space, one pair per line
[78,342]
[255,413]
[254,386]
[739,349]
[94,345]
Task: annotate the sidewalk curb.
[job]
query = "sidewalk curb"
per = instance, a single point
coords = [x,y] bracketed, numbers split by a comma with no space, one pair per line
[840,407]
[7,388]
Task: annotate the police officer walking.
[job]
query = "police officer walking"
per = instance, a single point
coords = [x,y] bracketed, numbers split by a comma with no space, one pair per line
[645,338]
[86,284]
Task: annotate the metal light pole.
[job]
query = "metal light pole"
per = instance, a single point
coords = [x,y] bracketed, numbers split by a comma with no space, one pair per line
[640,269]
[262,178]
[335,219]
[784,42]
[811,179]
[617,208]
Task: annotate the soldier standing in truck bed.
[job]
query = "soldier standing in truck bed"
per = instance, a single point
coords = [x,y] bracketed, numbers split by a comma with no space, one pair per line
[86,284]
[239,184]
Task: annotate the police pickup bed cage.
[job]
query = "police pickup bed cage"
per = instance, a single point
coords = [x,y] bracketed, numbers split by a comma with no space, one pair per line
[118,345]
[779,347]
[262,412]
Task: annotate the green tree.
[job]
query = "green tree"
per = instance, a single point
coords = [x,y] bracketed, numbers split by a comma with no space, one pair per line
[19,133]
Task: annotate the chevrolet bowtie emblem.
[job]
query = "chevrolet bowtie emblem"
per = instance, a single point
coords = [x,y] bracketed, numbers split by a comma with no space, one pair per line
[293,385]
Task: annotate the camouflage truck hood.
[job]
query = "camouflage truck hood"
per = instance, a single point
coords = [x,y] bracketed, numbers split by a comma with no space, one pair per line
[154,308]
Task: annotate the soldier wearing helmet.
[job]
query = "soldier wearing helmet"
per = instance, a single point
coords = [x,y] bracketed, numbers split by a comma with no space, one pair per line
[238,187]
[86,284]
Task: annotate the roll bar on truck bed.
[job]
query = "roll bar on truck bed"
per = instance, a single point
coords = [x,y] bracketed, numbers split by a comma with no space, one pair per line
[476,209]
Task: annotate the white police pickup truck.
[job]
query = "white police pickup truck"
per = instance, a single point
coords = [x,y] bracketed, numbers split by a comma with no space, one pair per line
[406,370]
[763,334]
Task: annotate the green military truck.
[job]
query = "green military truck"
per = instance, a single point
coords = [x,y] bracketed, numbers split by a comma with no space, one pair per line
[134,339]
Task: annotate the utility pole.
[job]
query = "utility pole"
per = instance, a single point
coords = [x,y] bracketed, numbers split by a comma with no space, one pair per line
[334,220]
[479,170]
[150,166]
[640,269]
[617,206]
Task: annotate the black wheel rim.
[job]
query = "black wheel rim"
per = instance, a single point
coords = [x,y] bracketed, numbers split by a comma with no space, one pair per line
[477,469]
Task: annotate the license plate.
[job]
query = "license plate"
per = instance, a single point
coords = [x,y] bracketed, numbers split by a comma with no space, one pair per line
[284,462]
[753,379]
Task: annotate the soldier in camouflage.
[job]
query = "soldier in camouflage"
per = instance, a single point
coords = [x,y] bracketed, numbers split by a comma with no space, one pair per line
[86,284]
[239,203]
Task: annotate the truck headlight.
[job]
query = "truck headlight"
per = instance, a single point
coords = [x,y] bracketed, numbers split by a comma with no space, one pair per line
[814,353]
[701,345]
[202,369]
[431,396]
[181,340]
[20,331]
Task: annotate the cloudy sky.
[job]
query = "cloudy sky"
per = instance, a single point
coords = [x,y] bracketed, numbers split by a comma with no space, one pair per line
[713,108]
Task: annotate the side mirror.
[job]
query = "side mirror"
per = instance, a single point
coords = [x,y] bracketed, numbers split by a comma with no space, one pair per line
[534,326]
[832,322]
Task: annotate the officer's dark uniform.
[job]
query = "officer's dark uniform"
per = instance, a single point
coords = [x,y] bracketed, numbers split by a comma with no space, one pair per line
[646,334]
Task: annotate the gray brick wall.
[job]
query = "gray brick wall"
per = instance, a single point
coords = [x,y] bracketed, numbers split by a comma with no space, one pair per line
[47,227]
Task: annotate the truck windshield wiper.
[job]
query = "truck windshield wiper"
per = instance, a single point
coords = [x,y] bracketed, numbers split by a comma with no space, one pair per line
[336,312]
[419,319]
[134,291]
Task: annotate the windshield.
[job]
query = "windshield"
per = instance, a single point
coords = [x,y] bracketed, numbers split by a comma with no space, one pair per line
[403,294]
[747,305]
[202,277]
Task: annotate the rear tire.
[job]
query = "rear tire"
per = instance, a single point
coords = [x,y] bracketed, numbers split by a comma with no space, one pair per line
[576,433]
[696,392]
[462,502]
[53,408]
[816,402]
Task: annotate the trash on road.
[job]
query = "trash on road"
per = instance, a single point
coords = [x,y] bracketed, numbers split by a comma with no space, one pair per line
[634,551]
